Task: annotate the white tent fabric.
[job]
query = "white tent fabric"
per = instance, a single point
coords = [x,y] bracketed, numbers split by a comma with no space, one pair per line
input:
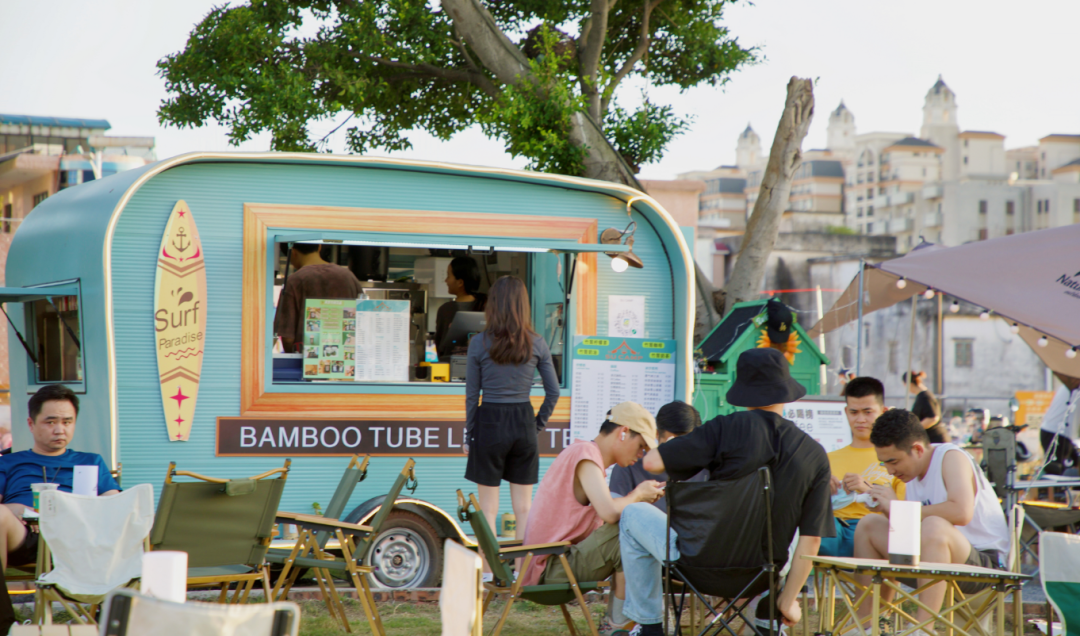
[96,542]
[1032,279]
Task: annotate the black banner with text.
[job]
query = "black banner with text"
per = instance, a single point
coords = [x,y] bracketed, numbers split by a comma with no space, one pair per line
[265,437]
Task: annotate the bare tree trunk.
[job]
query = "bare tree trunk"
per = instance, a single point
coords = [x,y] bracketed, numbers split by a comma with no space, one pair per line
[784,159]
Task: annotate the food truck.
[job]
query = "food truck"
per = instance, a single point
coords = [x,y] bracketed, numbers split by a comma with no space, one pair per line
[151,293]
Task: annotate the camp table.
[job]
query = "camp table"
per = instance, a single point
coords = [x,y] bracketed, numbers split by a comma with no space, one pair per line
[840,578]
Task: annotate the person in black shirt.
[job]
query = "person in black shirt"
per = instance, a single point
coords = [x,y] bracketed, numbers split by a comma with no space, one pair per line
[927,408]
[674,419]
[731,447]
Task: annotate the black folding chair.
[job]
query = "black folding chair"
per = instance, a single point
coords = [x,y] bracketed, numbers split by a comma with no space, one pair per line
[725,531]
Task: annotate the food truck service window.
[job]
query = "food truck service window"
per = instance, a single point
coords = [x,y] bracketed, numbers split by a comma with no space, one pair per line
[403,311]
[50,331]
[373,355]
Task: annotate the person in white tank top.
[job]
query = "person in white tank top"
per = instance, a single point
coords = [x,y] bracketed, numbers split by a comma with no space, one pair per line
[962,520]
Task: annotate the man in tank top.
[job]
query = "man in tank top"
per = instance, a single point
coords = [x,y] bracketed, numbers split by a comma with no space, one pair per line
[962,520]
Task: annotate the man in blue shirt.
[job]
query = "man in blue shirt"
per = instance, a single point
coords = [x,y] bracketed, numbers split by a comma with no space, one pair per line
[53,410]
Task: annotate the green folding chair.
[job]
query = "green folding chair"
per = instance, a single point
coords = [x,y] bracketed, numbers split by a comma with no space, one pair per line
[354,541]
[224,525]
[498,558]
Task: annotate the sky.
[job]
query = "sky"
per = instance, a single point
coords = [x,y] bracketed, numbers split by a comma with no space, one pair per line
[1011,65]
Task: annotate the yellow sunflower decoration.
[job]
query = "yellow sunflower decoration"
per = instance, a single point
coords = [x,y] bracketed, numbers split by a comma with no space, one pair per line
[789,348]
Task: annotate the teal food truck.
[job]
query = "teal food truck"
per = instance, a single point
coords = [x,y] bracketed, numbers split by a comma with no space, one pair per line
[152,293]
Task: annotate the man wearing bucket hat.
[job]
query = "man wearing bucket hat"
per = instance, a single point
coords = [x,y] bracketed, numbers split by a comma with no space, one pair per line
[731,447]
[573,502]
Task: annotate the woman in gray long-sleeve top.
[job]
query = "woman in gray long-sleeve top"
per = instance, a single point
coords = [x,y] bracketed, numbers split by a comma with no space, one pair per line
[501,433]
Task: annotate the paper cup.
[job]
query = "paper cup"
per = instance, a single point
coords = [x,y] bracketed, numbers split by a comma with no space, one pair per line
[37,489]
[164,575]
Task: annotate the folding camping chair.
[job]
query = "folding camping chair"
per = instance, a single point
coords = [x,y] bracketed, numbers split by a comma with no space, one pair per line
[733,561]
[88,547]
[353,540]
[225,526]
[128,612]
[1061,578]
[999,459]
[504,581]
[1043,516]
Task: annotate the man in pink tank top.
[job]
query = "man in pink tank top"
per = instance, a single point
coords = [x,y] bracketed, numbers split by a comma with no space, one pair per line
[962,521]
[573,502]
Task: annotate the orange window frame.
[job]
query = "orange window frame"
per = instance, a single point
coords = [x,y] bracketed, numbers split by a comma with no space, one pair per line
[259,218]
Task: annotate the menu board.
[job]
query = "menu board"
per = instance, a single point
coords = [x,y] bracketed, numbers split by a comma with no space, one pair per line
[329,336]
[608,371]
[823,420]
[382,340]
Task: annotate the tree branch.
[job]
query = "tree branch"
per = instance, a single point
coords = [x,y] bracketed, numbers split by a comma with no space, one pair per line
[475,78]
[496,52]
[635,57]
[590,47]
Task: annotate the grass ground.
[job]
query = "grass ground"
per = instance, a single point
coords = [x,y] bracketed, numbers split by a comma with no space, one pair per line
[422,619]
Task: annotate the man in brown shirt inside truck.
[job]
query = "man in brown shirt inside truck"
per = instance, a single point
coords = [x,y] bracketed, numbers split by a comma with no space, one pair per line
[313,278]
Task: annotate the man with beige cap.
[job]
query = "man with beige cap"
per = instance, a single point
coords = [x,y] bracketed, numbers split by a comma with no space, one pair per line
[573,502]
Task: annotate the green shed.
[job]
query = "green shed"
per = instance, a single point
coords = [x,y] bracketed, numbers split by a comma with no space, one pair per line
[745,328]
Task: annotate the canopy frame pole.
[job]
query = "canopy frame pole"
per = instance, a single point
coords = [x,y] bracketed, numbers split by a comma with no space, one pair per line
[859,331]
[823,380]
[910,354]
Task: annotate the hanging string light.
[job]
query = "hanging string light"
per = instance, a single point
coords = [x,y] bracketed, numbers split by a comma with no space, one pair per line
[928,294]
[954,307]
[1015,328]
[985,315]
[1043,342]
[1070,353]
[900,284]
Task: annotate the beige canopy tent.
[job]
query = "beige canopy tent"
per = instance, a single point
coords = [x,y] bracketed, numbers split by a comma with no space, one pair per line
[1031,280]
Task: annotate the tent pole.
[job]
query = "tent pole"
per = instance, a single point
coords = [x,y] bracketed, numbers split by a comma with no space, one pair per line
[910,355]
[940,349]
[859,331]
[824,379]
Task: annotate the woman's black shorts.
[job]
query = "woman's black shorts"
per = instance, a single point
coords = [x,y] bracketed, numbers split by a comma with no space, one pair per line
[504,445]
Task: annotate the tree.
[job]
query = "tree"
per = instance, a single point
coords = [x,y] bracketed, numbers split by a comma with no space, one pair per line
[544,76]
[785,157]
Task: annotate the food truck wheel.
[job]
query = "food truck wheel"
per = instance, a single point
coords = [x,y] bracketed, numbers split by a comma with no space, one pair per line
[406,553]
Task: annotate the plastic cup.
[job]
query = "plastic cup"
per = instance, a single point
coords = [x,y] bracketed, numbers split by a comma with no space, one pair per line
[37,489]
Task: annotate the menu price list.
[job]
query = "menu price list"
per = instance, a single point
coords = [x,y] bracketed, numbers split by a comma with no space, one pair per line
[382,340]
[608,371]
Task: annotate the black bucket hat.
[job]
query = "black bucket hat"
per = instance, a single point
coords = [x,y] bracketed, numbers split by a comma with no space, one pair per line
[762,379]
[781,321]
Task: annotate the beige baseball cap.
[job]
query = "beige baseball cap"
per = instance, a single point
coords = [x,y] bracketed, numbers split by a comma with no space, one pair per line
[634,416]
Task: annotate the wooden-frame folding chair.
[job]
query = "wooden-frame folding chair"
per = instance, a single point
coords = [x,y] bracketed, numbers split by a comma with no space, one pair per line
[225,526]
[505,583]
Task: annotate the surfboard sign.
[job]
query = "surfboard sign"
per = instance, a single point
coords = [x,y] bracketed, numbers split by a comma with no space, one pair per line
[180,320]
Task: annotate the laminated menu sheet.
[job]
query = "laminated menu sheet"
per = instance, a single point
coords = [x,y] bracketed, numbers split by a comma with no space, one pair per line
[382,340]
[329,332]
[608,371]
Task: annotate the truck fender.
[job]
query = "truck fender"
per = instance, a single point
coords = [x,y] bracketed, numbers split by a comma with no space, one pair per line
[444,523]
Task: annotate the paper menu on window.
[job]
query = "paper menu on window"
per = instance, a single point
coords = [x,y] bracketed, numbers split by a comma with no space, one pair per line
[382,340]
[329,334]
[608,371]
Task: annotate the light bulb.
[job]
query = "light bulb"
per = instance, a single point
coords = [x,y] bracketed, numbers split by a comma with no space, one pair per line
[1043,342]
[1070,353]
[928,294]
[619,265]
[1015,328]
[900,284]
[954,307]
[984,315]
